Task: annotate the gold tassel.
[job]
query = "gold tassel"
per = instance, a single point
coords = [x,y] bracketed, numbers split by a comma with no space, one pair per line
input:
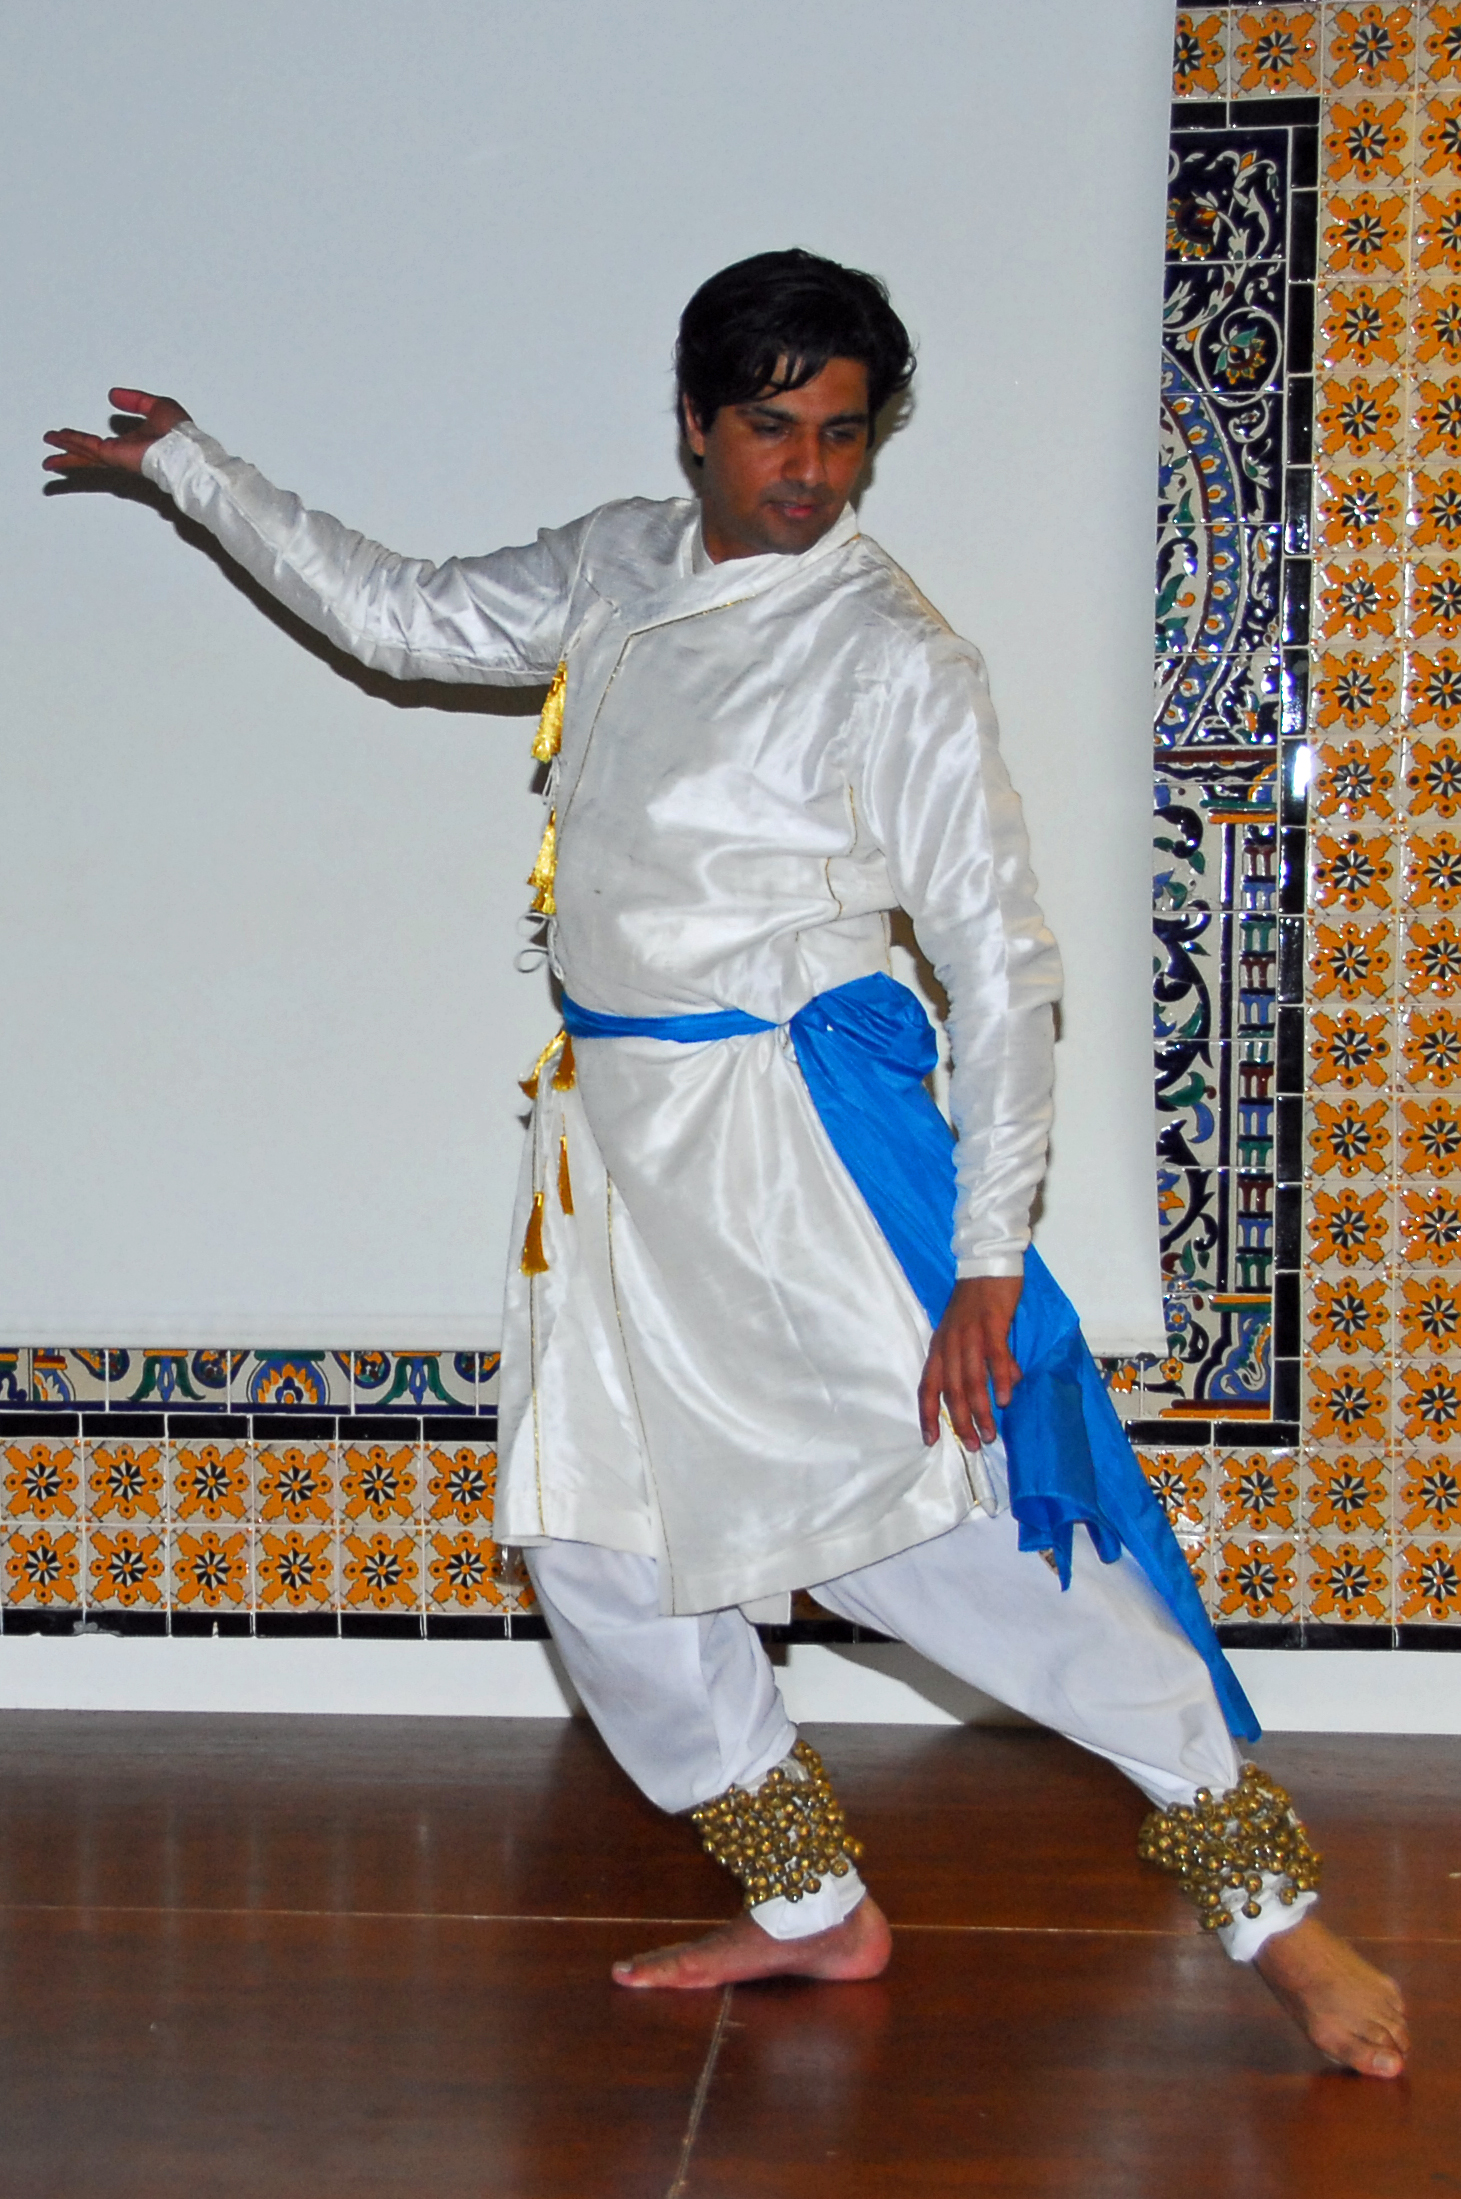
[535,1260]
[529,1083]
[565,1187]
[563,1076]
[540,877]
[549,737]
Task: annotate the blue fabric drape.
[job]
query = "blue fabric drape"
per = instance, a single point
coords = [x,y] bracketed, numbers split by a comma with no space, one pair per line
[864,1050]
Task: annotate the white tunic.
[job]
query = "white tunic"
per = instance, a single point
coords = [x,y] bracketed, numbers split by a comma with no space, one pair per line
[760,760]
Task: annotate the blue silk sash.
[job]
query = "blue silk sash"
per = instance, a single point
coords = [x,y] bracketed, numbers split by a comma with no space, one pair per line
[864,1051]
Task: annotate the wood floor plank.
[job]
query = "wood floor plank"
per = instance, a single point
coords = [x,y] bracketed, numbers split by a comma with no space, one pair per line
[320,2058]
[237,1956]
[1067,2067]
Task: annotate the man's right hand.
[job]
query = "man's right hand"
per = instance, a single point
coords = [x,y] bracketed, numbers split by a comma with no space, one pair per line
[149,419]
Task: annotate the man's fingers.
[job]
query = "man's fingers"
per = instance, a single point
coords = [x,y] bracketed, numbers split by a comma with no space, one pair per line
[931,1393]
[134,400]
[1004,1373]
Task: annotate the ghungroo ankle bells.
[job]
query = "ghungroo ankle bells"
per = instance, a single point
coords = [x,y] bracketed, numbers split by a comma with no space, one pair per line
[1231,1842]
[786,1837]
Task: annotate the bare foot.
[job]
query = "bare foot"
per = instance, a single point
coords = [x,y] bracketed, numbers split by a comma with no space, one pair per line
[858,1947]
[1353,2014]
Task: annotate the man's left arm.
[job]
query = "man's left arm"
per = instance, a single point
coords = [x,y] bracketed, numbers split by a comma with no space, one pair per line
[941,805]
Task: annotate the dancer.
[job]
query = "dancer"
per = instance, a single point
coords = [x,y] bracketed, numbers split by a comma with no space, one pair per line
[769,1326]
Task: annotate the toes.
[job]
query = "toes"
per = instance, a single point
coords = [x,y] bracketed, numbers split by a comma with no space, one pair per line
[1379,2062]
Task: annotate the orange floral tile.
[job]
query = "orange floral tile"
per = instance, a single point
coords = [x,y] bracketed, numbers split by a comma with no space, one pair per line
[1347,1405]
[1433,870]
[1440,136]
[1354,780]
[1348,1316]
[1256,1580]
[1430,1314]
[1348,1494]
[1430,1582]
[1349,1049]
[1358,600]
[1358,418]
[42,1565]
[461,1482]
[210,1569]
[1258,1491]
[1433,690]
[1433,957]
[1179,1483]
[1370,45]
[1438,417]
[1442,51]
[1199,56]
[295,1569]
[127,1567]
[379,1481]
[1349,1225]
[1365,234]
[1352,871]
[512,1573]
[1277,50]
[462,1566]
[1438,324]
[1435,509]
[41,1479]
[1359,510]
[295,1483]
[381,1570]
[1434,777]
[1435,600]
[1430,1138]
[1366,140]
[1350,1139]
[210,1481]
[1362,324]
[1348,961]
[1357,690]
[1437,232]
[1194,1550]
[1430,1403]
[1430,1226]
[1349,1582]
[1433,1047]
[124,1481]
[1431,1495]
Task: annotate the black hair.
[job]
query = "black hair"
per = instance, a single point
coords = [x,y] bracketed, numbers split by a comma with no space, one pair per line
[774,321]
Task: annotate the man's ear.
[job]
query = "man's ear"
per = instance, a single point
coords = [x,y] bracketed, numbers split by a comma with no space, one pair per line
[694,433]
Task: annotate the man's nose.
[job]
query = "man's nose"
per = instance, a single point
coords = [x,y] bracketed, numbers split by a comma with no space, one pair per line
[806,460]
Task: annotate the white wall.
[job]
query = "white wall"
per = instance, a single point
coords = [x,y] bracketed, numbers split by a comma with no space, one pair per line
[424,263]
[1313,1691]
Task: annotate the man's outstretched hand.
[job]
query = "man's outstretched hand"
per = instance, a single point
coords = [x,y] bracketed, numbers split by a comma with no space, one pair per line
[968,1356]
[148,419]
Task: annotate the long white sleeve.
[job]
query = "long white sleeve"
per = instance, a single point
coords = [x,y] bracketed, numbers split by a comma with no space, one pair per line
[941,806]
[496,619]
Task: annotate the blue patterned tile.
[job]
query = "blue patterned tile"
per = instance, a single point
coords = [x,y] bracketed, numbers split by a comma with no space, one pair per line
[415,1382]
[70,1377]
[301,1381]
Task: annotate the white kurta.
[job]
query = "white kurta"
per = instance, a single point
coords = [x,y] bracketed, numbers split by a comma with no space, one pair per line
[760,760]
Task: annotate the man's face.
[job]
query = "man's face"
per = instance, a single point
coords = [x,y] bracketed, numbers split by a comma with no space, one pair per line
[779,469]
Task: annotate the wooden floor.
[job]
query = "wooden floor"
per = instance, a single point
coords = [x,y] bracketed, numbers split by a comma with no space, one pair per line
[319,1957]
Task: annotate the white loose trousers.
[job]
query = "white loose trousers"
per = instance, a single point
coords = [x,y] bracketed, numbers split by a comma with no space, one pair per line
[689,1705]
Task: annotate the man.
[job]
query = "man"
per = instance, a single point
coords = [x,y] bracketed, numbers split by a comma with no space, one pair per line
[759,1333]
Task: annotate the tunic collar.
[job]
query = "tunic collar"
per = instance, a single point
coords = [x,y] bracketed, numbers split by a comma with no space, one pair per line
[652,592]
